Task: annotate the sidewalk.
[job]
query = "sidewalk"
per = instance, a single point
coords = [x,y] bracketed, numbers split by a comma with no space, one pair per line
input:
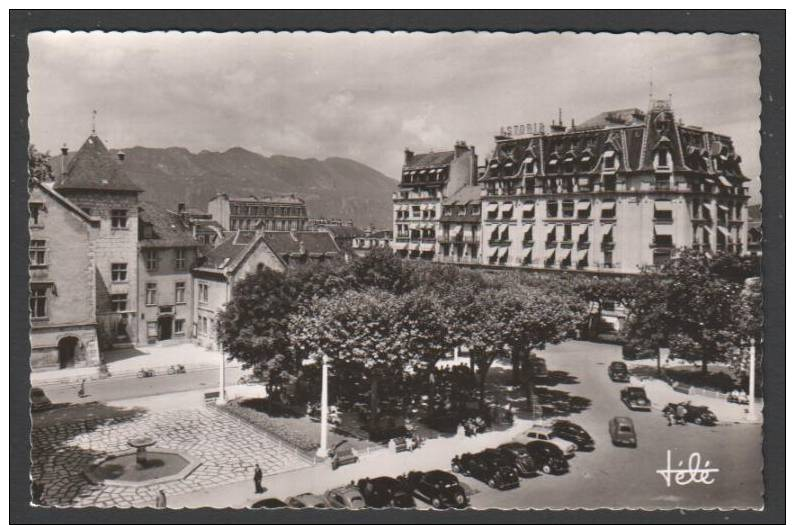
[127,362]
[434,454]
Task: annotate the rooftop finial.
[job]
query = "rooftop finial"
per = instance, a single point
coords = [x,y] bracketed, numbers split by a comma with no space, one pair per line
[651,83]
[94,123]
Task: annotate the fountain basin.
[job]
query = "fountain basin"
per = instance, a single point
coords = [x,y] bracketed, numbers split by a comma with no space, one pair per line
[126,469]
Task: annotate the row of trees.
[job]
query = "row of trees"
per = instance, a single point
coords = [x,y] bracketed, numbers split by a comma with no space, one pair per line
[379,317]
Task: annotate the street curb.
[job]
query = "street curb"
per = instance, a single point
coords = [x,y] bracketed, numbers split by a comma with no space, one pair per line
[98,376]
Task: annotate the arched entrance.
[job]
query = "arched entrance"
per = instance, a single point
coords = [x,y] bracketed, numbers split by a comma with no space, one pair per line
[67,350]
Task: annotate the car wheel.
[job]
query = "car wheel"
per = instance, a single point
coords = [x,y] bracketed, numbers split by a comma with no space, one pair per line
[492,483]
[698,421]
[546,469]
[437,503]
[456,468]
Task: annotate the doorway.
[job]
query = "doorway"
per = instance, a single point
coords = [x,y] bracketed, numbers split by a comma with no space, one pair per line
[165,326]
[67,348]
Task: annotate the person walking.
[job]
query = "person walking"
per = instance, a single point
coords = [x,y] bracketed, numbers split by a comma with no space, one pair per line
[258,479]
[160,501]
[82,391]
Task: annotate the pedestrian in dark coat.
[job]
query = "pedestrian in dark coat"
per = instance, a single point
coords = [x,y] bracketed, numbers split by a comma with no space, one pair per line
[258,479]
[82,391]
[160,501]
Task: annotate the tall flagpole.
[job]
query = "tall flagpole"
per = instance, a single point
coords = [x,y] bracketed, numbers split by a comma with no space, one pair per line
[322,452]
[752,383]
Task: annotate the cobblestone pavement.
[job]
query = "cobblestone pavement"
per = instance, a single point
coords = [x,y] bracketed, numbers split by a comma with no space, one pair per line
[226,448]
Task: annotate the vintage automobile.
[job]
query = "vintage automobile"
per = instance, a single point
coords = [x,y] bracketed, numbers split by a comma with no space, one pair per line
[618,373]
[635,398]
[548,457]
[700,415]
[633,352]
[342,454]
[347,497]
[39,400]
[307,500]
[622,432]
[547,435]
[440,489]
[488,466]
[269,503]
[385,492]
[539,367]
[517,455]
[573,432]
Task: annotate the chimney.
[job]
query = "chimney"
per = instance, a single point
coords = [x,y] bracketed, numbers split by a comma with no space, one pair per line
[64,150]
[121,155]
[181,208]
[460,148]
[409,155]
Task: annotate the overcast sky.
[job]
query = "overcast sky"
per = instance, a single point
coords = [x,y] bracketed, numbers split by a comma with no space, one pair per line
[368,96]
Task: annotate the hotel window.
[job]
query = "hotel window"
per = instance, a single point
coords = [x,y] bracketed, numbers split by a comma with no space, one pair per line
[152,260]
[567,233]
[151,294]
[118,302]
[661,257]
[609,183]
[530,166]
[204,293]
[180,261]
[118,272]
[35,211]
[529,210]
[609,160]
[552,208]
[609,209]
[38,302]
[663,211]
[118,219]
[179,326]
[568,209]
[38,253]
[179,293]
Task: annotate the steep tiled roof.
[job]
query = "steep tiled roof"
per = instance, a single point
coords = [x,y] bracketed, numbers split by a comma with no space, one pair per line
[231,251]
[342,232]
[616,117]
[94,168]
[430,160]
[265,199]
[167,230]
[286,243]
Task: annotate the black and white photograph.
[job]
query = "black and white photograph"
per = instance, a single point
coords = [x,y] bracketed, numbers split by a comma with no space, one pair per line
[395,269]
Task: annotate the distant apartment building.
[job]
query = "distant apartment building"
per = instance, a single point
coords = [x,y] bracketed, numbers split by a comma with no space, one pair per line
[426,181]
[371,240]
[269,213]
[167,252]
[63,323]
[459,239]
[615,194]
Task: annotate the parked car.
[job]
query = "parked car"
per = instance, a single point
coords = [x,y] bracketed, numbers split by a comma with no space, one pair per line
[385,492]
[539,367]
[632,352]
[269,503]
[347,497]
[39,400]
[517,455]
[547,457]
[573,432]
[635,398]
[618,372]
[488,466]
[547,435]
[622,432]
[440,489]
[700,415]
[307,501]
[342,454]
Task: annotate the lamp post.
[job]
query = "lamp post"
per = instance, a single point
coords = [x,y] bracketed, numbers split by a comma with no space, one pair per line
[322,452]
[222,380]
[752,383]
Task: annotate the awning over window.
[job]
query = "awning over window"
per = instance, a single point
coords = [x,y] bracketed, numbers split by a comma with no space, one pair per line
[493,251]
[583,205]
[529,160]
[493,206]
[503,252]
[506,207]
[725,231]
[549,228]
[529,206]
[507,164]
[504,229]
[553,162]
[607,230]
[582,255]
[724,181]
[526,252]
[579,229]
[608,205]
[455,230]
[663,205]
[562,254]
[549,253]
[723,207]
[663,229]
[527,228]
[609,154]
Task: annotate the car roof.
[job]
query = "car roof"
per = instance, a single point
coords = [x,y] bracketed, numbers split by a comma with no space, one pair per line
[618,363]
[440,475]
[622,419]
[512,444]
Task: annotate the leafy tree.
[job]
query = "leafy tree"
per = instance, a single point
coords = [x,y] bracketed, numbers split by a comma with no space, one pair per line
[749,320]
[382,269]
[599,290]
[39,165]
[648,324]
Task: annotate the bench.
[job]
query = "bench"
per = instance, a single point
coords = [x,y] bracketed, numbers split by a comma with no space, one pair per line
[209,396]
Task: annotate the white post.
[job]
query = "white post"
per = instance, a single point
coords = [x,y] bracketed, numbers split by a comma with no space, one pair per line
[222,380]
[752,383]
[322,452]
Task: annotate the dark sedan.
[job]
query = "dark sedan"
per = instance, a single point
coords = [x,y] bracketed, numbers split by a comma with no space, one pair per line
[574,433]
[385,492]
[437,487]
[488,466]
[635,398]
[548,457]
[618,372]
[517,455]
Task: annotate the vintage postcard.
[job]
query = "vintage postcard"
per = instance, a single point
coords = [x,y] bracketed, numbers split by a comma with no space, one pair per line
[461,270]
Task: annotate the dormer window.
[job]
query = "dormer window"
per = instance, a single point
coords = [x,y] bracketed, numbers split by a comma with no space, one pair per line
[530,166]
[609,161]
[662,160]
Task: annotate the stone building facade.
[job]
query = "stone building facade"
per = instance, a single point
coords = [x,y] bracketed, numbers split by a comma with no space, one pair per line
[270,213]
[62,282]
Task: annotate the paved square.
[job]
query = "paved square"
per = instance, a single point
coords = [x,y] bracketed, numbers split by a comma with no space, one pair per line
[226,447]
